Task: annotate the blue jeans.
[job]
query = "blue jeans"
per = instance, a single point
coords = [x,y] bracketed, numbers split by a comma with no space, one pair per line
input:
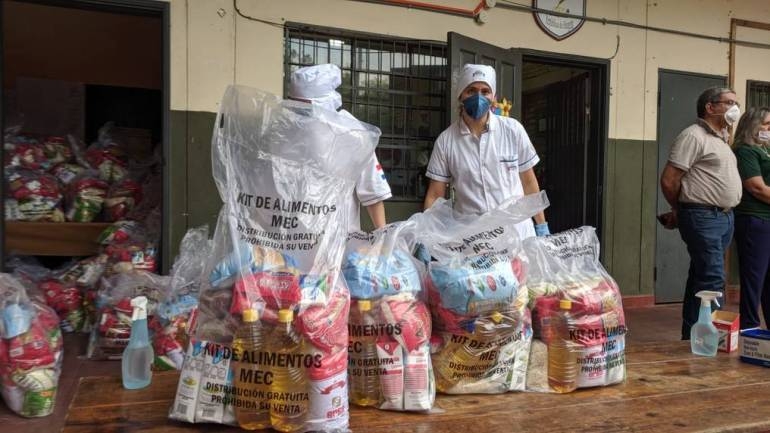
[752,235]
[707,233]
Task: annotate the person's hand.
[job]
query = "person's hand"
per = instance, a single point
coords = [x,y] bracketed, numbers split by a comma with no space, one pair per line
[542,229]
[669,220]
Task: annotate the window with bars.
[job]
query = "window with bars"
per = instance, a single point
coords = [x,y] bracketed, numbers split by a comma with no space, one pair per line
[758,94]
[399,85]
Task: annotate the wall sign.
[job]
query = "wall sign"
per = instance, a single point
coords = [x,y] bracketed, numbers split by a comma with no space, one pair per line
[559,27]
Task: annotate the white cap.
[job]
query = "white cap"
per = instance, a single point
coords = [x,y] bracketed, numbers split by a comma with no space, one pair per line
[474,73]
[317,84]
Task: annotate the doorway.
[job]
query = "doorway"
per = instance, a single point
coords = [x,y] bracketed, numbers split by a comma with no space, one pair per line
[562,103]
[677,93]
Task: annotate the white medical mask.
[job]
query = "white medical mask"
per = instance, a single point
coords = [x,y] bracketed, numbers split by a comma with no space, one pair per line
[732,115]
[763,136]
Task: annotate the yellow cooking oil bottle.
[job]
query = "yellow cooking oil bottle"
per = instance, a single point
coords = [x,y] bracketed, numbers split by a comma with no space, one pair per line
[467,357]
[364,378]
[252,409]
[562,352]
[289,402]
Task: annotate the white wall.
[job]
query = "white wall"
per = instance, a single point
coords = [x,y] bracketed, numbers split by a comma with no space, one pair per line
[212,47]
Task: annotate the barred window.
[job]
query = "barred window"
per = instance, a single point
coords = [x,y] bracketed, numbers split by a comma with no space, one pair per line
[398,85]
[758,94]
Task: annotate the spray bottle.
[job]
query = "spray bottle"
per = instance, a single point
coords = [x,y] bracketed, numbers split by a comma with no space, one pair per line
[138,355]
[704,338]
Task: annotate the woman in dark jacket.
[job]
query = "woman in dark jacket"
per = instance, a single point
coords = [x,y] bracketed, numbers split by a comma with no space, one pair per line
[752,215]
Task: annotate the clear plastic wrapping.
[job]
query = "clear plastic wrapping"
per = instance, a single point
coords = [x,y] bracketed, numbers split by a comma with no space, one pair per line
[577,312]
[389,351]
[31,351]
[273,305]
[481,321]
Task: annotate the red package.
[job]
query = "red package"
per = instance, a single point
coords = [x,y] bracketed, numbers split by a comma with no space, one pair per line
[276,289]
[31,349]
[412,318]
[325,326]
[122,197]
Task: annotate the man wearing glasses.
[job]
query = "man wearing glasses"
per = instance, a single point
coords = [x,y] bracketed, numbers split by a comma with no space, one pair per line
[701,183]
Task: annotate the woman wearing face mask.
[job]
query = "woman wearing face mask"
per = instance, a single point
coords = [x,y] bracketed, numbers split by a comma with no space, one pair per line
[486,158]
[752,215]
[701,183]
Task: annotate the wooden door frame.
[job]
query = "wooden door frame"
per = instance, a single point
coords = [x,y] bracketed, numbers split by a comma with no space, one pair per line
[160,9]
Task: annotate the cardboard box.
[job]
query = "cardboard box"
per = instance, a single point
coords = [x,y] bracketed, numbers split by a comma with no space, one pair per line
[755,346]
[727,325]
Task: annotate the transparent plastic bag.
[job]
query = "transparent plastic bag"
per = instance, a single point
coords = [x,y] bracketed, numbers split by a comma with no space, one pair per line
[172,323]
[390,366]
[577,312]
[30,351]
[112,330]
[285,171]
[482,325]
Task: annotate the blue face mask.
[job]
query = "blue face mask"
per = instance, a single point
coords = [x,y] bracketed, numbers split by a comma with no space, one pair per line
[476,106]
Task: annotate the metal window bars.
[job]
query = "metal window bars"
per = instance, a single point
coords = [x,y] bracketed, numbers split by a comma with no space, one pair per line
[396,84]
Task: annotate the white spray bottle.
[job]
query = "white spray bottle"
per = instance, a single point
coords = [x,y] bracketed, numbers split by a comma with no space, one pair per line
[138,355]
[704,338]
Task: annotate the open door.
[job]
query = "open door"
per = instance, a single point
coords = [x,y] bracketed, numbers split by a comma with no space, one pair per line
[507,64]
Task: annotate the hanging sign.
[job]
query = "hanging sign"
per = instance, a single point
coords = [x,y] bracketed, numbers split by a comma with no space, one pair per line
[559,27]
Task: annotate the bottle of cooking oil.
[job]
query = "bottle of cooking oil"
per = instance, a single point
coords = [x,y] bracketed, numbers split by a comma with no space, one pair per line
[253,409]
[364,379]
[290,396]
[470,357]
[562,352]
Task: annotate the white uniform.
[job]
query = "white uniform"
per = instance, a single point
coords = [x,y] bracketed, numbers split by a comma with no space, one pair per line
[371,187]
[484,171]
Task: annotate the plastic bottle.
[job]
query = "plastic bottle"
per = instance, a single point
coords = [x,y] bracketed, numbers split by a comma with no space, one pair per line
[704,338]
[289,413]
[472,352]
[248,378]
[562,352]
[365,381]
[138,355]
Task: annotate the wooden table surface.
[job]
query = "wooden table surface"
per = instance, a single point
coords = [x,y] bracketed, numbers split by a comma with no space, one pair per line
[667,389]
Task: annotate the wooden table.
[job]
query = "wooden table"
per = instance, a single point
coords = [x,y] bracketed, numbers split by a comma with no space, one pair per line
[668,389]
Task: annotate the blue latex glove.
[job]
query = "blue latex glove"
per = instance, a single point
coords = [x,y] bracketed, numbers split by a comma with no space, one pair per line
[542,229]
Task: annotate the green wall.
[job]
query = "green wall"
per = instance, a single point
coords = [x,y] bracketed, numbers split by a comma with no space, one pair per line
[628,232]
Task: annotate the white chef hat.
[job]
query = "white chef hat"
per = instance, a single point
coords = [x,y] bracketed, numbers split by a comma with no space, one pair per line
[317,84]
[473,73]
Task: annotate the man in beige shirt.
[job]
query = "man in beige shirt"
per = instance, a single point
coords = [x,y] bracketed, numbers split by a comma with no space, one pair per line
[702,185]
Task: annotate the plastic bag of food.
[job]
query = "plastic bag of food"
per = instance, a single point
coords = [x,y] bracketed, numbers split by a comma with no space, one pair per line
[482,325]
[121,198]
[37,194]
[172,324]
[277,253]
[577,312]
[30,351]
[389,351]
[113,327]
[85,197]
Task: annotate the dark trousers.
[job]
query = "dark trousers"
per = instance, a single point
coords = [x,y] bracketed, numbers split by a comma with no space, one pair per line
[752,236]
[707,233]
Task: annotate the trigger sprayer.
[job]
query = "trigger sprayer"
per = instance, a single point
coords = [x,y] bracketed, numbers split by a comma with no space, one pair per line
[138,355]
[704,338]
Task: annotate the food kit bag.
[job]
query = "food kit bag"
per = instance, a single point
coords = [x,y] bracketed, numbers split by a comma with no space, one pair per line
[481,322]
[171,324]
[112,330]
[30,351]
[269,344]
[389,364]
[565,271]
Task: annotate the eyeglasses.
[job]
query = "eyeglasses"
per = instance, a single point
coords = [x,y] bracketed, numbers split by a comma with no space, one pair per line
[728,102]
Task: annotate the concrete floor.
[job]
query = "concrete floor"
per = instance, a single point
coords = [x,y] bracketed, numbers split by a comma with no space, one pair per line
[658,323]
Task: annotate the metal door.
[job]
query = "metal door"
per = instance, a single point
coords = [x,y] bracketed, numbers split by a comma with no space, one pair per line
[677,94]
[507,64]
